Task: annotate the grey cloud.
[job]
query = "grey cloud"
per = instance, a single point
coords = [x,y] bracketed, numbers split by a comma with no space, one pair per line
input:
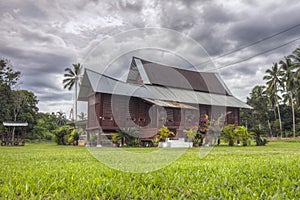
[210,38]
[42,38]
[40,84]
[128,6]
[272,20]
[174,18]
[44,62]
[211,28]
[191,3]
[37,37]
[28,9]
[54,96]
[216,13]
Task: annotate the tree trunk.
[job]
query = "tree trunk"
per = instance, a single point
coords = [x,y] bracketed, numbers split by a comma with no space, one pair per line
[279,118]
[75,113]
[245,142]
[13,135]
[293,114]
[231,142]
[270,129]
[274,110]
[14,128]
[294,124]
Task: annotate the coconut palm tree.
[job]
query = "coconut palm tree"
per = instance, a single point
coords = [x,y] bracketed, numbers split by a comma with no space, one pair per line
[273,78]
[72,78]
[296,61]
[60,118]
[296,54]
[290,83]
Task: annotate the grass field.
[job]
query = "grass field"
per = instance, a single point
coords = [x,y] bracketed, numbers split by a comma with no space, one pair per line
[48,171]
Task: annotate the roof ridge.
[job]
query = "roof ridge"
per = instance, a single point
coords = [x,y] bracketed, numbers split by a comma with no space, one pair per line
[104,75]
[112,78]
[176,68]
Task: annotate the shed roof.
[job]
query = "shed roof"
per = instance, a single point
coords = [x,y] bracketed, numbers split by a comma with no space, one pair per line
[101,83]
[15,124]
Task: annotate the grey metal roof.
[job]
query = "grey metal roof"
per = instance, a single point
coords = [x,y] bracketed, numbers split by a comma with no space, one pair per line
[104,84]
[15,124]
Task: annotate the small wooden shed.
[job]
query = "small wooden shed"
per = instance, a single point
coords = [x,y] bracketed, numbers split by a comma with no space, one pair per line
[13,133]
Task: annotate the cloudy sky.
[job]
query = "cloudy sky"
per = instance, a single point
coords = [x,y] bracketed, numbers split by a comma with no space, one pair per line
[42,38]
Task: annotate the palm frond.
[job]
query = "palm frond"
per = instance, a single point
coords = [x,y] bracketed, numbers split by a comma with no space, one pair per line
[69,71]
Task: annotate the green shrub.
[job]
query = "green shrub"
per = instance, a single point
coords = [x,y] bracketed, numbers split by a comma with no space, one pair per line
[164,133]
[74,137]
[62,135]
[228,134]
[258,133]
[127,137]
[191,133]
[242,133]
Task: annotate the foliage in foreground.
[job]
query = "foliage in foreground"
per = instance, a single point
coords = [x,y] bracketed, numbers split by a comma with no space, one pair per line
[66,172]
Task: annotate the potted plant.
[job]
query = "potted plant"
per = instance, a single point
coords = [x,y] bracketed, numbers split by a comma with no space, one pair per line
[164,133]
[196,142]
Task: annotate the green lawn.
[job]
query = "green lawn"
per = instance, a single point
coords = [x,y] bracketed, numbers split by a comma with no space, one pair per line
[48,171]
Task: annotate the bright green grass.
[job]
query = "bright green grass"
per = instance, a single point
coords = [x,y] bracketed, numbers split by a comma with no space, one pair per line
[48,171]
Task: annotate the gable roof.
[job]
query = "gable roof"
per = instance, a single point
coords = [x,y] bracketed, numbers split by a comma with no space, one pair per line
[150,73]
[95,82]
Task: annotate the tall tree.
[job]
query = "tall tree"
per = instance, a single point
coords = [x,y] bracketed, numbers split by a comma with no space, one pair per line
[19,100]
[290,83]
[8,79]
[15,105]
[258,100]
[8,76]
[72,78]
[24,108]
[273,77]
[296,67]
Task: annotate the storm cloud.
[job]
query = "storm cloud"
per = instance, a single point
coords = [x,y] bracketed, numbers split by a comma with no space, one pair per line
[42,38]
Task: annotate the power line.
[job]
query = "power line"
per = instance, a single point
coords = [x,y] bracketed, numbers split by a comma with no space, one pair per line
[259,54]
[250,45]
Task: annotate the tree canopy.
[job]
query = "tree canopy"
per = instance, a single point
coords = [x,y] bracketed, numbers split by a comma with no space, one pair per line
[277,103]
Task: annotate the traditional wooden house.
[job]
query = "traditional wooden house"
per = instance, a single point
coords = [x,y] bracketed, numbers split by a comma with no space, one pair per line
[154,95]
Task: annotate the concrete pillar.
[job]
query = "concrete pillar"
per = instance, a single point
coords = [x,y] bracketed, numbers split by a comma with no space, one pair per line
[99,139]
[88,142]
